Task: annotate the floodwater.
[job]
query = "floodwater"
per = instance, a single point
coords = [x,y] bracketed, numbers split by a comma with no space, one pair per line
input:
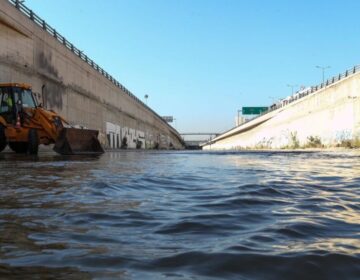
[181,215]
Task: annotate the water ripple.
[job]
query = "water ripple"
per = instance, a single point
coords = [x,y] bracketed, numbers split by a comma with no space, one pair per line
[181,215]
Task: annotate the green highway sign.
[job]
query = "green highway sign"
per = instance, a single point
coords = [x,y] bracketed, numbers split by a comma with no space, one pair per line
[253,110]
[168,119]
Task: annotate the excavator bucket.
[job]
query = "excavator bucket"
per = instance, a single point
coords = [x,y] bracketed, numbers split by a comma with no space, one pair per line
[75,141]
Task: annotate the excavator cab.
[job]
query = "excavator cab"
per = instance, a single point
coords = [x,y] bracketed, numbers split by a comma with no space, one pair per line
[13,100]
[24,126]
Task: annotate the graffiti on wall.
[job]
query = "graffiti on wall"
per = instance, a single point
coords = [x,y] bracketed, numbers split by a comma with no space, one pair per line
[124,137]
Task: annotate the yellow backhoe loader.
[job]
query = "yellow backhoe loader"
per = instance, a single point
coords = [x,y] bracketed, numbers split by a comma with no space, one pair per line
[24,126]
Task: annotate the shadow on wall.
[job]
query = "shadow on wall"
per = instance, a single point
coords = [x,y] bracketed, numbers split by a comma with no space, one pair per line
[44,64]
[52,95]
[52,90]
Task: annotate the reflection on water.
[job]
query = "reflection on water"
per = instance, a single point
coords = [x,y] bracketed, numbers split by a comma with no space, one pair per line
[181,215]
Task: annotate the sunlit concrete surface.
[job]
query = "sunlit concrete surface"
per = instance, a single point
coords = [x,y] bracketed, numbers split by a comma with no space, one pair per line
[331,114]
[72,86]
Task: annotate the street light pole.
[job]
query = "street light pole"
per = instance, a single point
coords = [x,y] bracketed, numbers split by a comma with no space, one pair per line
[146,97]
[323,68]
[292,88]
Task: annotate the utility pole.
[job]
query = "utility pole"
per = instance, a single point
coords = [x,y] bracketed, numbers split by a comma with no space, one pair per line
[323,68]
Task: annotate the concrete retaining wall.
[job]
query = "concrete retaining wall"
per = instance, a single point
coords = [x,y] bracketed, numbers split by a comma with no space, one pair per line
[69,85]
[331,114]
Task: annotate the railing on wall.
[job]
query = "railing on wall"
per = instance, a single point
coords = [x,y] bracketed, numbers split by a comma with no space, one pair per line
[62,40]
[301,93]
[298,95]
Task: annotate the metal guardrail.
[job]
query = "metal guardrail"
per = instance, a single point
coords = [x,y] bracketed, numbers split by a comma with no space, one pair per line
[300,94]
[62,40]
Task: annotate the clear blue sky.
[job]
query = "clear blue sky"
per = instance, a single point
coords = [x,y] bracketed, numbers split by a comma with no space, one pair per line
[202,60]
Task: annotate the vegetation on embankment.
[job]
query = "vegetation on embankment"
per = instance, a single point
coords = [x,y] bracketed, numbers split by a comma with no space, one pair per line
[313,142]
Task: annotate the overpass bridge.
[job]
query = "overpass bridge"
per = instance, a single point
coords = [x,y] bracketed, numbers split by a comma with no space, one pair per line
[191,143]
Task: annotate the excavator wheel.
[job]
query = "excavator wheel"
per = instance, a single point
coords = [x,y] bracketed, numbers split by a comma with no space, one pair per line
[2,138]
[33,145]
[19,147]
